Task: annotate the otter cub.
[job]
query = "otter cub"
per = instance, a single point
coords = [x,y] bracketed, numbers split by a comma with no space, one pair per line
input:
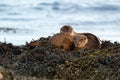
[62,41]
[93,41]
[80,41]
[86,42]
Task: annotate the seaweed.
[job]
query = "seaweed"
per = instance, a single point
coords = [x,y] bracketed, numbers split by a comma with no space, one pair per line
[50,62]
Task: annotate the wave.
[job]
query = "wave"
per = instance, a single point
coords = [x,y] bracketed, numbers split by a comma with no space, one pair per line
[56,6]
[93,23]
[5,7]
[72,7]
[16,19]
[105,8]
[14,30]
[59,7]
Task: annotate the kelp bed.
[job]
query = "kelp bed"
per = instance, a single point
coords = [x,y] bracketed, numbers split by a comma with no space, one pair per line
[49,62]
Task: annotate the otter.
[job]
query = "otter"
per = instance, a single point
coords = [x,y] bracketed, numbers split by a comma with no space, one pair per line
[80,41]
[62,41]
[67,30]
[86,42]
[38,43]
[92,39]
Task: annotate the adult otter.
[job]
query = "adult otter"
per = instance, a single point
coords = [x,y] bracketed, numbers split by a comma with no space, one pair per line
[67,30]
[92,39]
[62,41]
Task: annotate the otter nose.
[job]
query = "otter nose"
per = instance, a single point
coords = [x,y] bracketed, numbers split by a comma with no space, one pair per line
[76,45]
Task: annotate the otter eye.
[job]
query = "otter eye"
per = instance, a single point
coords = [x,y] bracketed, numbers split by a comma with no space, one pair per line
[80,39]
[84,38]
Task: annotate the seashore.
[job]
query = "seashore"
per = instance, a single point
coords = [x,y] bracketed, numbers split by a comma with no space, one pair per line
[46,62]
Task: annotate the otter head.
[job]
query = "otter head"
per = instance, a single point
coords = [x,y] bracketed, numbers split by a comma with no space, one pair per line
[80,41]
[67,30]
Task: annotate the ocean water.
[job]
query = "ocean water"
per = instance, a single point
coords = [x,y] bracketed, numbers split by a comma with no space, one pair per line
[24,20]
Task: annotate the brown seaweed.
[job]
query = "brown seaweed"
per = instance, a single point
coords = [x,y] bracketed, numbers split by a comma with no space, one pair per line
[49,62]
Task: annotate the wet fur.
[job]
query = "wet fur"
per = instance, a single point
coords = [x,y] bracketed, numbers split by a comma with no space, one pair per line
[67,30]
[62,41]
[93,41]
[80,41]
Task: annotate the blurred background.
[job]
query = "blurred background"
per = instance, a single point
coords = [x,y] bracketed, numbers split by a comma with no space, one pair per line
[24,20]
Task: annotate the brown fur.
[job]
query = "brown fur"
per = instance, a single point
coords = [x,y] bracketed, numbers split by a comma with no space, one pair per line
[80,41]
[67,30]
[93,41]
[62,41]
[38,43]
